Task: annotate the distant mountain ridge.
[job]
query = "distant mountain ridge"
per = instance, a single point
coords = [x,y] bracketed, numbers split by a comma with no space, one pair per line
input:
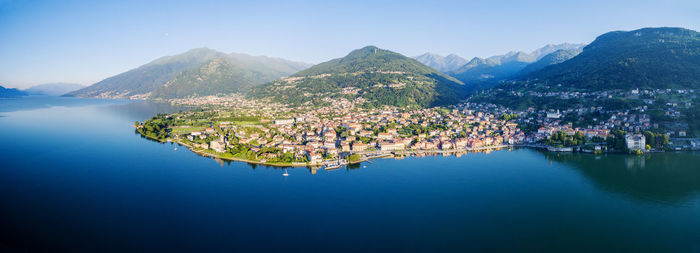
[11,93]
[381,77]
[53,89]
[492,69]
[555,57]
[444,64]
[191,74]
[551,48]
[463,70]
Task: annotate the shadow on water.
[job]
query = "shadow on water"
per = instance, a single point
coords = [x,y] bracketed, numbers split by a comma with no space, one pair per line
[354,166]
[660,177]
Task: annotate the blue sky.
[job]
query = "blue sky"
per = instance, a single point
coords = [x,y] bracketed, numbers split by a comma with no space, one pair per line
[87,41]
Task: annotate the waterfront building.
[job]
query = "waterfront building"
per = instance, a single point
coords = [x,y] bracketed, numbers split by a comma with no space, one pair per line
[635,142]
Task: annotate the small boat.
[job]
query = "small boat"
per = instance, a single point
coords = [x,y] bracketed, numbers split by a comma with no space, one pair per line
[285,173]
[332,167]
[175,149]
[336,164]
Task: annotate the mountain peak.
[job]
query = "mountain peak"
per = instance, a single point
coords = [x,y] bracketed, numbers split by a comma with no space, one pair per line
[443,64]
[368,51]
[429,56]
[199,71]
[379,76]
[551,48]
[555,57]
[519,56]
[370,47]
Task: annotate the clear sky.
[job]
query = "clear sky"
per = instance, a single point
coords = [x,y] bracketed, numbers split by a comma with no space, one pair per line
[87,41]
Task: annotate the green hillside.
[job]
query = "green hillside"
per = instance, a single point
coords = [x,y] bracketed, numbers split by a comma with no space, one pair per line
[197,72]
[228,74]
[379,76]
[644,58]
[148,77]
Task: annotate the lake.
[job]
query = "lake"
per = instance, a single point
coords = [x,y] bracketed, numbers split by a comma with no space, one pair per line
[75,177]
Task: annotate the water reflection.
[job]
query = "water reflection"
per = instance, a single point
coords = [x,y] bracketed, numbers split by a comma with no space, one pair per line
[140,110]
[39,102]
[635,163]
[672,178]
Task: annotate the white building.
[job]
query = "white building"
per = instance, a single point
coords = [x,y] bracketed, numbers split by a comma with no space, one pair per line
[284,121]
[218,146]
[553,115]
[635,142]
[390,146]
[314,158]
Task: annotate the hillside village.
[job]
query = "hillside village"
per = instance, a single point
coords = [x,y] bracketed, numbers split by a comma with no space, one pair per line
[342,131]
[275,134]
[667,112]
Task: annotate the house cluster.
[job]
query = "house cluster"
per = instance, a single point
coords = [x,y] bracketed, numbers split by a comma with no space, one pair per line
[340,129]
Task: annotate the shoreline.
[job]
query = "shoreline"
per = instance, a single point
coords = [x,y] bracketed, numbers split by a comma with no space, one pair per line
[382,154]
[379,155]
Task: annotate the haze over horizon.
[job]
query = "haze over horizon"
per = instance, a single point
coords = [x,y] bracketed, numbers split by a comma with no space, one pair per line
[85,42]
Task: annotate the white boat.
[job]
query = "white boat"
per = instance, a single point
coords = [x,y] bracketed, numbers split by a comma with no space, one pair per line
[285,173]
[336,164]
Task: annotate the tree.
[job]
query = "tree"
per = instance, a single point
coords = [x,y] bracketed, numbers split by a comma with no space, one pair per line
[650,138]
[354,157]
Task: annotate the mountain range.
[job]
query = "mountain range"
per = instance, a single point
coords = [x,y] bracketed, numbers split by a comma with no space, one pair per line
[497,68]
[48,89]
[197,72]
[378,76]
[492,69]
[53,89]
[551,48]
[444,64]
[649,57]
[555,57]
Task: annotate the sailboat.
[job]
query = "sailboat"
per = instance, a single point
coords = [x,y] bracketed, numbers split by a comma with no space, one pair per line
[285,173]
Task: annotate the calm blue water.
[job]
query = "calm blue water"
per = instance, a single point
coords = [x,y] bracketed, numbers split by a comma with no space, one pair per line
[76,178]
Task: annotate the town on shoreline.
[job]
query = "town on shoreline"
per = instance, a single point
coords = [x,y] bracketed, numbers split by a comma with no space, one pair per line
[340,131]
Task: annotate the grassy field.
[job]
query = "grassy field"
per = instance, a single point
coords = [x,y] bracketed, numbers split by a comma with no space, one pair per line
[184,130]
